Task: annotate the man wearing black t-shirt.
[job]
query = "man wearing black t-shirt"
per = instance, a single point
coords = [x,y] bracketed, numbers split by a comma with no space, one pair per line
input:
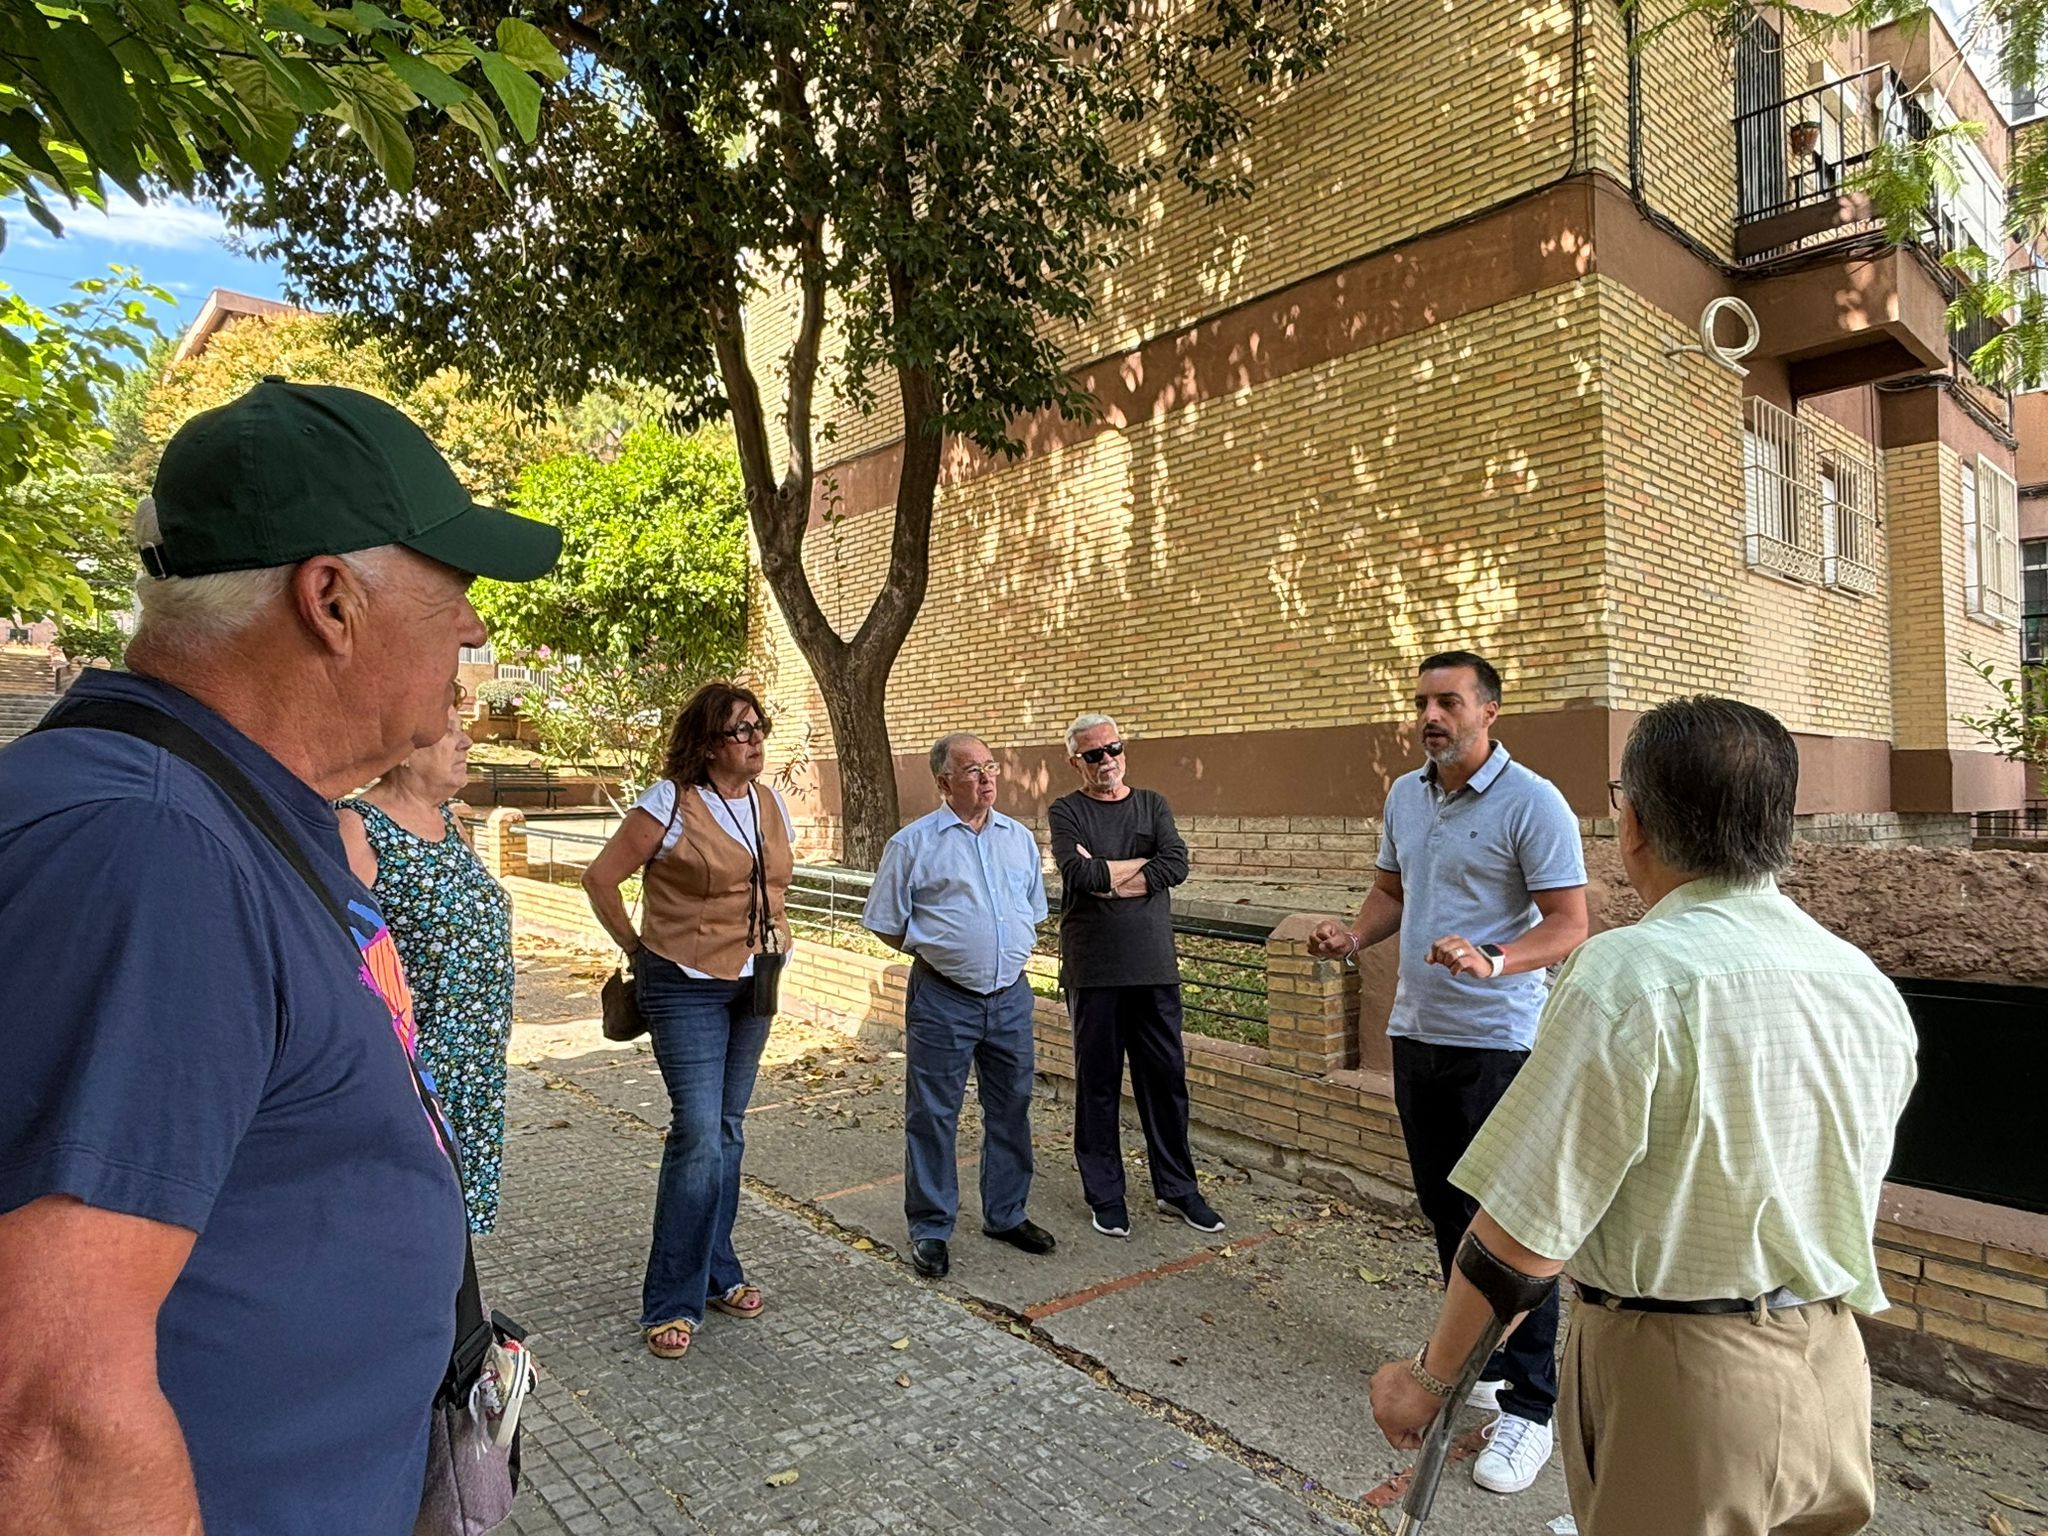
[1119,857]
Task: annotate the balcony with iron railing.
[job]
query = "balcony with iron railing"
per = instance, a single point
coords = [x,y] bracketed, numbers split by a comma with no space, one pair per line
[1801,160]
[1837,301]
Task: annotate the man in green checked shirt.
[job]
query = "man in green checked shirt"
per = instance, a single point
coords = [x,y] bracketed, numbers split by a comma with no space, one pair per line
[1698,1139]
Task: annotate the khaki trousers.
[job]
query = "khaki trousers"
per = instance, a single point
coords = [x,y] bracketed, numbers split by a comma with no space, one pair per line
[1674,1424]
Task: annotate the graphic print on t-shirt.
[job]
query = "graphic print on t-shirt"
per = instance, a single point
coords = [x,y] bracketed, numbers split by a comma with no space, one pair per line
[384,974]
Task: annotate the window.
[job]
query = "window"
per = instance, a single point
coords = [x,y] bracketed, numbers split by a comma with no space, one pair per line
[16,635]
[1809,513]
[1778,534]
[1848,525]
[2034,602]
[1991,549]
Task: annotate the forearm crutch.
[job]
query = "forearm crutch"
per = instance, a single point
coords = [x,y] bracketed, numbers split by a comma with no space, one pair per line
[1509,1293]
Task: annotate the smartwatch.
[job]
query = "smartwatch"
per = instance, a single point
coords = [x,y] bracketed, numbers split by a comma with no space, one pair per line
[1496,956]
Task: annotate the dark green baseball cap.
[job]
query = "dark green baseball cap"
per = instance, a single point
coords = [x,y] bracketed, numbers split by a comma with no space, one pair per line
[289,471]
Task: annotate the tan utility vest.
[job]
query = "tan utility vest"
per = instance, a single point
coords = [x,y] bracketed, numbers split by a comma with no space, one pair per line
[696,893]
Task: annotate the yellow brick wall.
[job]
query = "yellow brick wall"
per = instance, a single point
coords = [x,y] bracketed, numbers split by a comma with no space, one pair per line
[1262,558]
[1991,1298]
[1932,628]
[1687,109]
[1460,494]
[1686,614]
[1425,115]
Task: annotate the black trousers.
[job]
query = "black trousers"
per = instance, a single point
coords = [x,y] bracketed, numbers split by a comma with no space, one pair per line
[1444,1094]
[1143,1023]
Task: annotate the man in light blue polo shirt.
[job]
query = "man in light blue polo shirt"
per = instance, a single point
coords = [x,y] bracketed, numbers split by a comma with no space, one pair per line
[1482,874]
[961,890]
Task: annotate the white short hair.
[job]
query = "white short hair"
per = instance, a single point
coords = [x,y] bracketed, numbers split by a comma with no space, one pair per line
[1083,723]
[179,610]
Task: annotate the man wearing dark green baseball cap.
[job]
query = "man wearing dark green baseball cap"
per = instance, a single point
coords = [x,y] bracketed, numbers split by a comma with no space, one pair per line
[229,1233]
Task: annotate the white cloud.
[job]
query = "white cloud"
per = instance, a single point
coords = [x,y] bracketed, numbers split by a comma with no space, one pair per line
[167,224]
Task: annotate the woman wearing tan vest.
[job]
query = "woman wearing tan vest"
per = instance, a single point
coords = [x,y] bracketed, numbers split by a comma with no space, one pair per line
[715,850]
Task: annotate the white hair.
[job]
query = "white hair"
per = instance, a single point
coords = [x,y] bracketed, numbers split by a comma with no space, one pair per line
[181,610]
[1083,723]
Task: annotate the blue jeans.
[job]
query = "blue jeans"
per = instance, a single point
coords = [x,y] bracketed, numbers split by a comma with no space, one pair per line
[708,1048]
[947,1029]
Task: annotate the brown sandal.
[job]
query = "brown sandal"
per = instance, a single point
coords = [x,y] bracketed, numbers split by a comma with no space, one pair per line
[663,1351]
[741,1301]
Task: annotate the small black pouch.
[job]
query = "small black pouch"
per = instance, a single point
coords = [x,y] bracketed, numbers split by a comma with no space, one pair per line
[767,981]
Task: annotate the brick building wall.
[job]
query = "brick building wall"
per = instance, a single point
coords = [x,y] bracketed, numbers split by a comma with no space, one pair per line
[1687,613]
[1205,571]
[1417,392]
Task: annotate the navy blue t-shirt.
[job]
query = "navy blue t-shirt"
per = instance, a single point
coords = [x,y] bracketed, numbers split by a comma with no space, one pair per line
[189,1039]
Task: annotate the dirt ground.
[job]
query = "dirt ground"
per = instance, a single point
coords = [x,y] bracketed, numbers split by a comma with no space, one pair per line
[1946,913]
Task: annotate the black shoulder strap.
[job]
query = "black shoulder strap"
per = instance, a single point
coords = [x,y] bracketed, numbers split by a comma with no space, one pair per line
[180,740]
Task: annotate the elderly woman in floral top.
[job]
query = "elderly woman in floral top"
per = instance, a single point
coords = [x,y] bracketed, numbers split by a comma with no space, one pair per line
[453,927]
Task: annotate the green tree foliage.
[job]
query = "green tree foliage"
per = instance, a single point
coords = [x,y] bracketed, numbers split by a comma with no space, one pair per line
[58,368]
[949,180]
[147,95]
[649,597]
[144,96]
[2016,727]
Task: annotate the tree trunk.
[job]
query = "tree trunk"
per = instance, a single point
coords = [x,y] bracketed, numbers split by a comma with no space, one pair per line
[868,808]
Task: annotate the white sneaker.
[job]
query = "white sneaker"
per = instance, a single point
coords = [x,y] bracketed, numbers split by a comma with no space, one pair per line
[1516,1450]
[1486,1395]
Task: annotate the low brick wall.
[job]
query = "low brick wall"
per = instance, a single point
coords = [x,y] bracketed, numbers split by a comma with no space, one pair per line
[1969,1282]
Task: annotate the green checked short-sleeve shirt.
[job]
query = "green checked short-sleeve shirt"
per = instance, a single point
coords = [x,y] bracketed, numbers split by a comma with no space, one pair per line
[1709,1107]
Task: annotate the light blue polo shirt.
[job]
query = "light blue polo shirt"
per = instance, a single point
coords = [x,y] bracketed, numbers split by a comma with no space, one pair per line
[967,903]
[1468,863]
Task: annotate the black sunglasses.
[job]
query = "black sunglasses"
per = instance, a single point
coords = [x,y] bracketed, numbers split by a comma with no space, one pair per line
[747,730]
[1095,755]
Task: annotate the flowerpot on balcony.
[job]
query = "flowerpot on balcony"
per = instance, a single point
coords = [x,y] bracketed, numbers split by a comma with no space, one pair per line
[1803,136]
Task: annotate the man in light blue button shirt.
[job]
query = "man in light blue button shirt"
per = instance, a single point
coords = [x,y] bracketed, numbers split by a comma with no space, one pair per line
[1483,877]
[962,892]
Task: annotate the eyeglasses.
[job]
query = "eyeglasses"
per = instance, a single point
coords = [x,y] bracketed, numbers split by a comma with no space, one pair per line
[982,773]
[747,730]
[1614,794]
[1095,755]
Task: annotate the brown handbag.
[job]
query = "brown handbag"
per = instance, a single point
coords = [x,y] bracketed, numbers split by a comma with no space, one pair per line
[623,1019]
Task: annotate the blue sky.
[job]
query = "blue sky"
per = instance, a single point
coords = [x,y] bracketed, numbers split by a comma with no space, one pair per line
[176,244]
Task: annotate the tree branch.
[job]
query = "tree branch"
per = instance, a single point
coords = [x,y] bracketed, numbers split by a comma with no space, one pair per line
[810,329]
[895,608]
[749,421]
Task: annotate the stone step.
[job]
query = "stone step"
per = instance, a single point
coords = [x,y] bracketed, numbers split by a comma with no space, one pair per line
[20,712]
[27,674]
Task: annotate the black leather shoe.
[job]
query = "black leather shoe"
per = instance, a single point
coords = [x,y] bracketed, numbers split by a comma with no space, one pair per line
[1028,1235]
[929,1258]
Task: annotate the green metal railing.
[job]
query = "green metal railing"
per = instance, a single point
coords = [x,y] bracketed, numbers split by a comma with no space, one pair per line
[1222,964]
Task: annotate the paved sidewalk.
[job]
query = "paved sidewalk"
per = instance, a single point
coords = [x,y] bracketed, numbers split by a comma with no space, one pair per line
[1171,1381]
[896,1409]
